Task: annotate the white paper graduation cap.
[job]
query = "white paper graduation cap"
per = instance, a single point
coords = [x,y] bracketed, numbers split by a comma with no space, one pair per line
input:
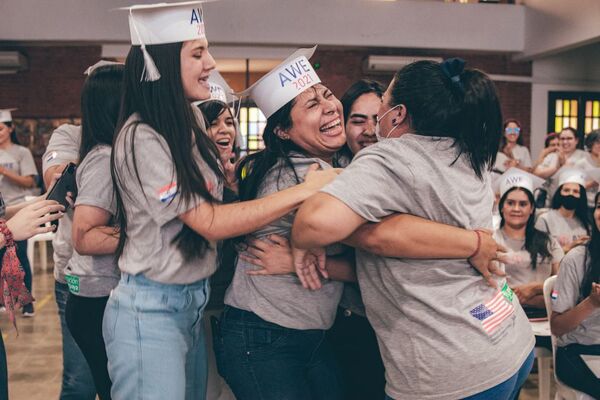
[99,64]
[571,175]
[6,114]
[515,177]
[284,82]
[164,23]
[219,89]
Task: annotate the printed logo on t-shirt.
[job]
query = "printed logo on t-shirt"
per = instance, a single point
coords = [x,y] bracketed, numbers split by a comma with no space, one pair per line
[494,312]
[8,165]
[51,156]
[168,192]
[554,294]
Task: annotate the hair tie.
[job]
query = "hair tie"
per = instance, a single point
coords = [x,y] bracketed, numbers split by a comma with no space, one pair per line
[453,68]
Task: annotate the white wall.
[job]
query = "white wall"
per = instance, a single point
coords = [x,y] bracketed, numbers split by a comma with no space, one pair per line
[575,70]
[407,23]
[557,25]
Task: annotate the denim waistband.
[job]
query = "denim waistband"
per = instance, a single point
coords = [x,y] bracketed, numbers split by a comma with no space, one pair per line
[141,280]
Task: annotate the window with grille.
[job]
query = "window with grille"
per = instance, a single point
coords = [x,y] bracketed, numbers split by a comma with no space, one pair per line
[578,110]
[252,124]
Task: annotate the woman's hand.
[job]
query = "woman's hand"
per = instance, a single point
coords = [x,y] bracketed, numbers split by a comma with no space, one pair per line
[310,266]
[273,256]
[32,219]
[315,179]
[525,292]
[582,239]
[485,259]
[595,295]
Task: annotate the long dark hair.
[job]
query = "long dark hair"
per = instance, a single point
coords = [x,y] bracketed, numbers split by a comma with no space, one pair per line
[163,106]
[468,111]
[536,241]
[13,134]
[503,140]
[581,211]
[211,110]
[100,104]
[592,271]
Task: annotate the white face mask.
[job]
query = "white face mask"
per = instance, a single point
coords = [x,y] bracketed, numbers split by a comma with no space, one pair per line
[377,125]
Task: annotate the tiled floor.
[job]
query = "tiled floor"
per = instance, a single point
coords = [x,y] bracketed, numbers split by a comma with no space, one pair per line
[34,357]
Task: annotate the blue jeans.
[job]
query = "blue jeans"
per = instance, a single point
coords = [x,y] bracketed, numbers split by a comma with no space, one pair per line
[155,340]
[24,260]
[507,390]
[264,361]
[77,382]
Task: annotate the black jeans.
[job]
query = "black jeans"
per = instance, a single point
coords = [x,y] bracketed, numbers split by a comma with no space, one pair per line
[355,346]
[84,318]
[265,361]
[572,370]
[22,256]
[3,371]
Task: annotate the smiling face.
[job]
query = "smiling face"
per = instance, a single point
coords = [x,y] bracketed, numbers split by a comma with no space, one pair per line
[222,132]
[5,132]
[196,64]
[568,141]
[317,123]
[511,132]
[517,209]
[360,127]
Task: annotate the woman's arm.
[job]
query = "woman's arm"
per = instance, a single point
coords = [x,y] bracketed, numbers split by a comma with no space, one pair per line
[91,235]
[222,221]
[26,181]
[562,323]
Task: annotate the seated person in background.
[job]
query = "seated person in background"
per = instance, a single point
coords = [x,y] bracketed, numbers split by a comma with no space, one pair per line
[551,145]
[575,316]
[512,153]
[590,166]
[532,254]
[567,221]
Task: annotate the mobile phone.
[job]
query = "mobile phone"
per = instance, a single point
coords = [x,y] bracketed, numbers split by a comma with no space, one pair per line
[66,183]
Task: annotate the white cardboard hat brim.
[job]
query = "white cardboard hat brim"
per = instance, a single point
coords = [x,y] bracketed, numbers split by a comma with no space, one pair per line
[514,177]
[6,114]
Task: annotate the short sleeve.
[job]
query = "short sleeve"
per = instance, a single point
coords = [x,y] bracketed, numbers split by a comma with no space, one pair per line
[556,251]
[26,163]
[550,160]
[63,147]
[375,184]
[94,182]
[541,224]
[157,185]
[566,289]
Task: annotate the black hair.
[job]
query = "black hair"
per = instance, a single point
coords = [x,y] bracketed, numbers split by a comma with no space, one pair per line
[163,106]
[550,137]
[592,271]
[469,112]
[536,242]
[581,211]
[358,88]
[100,104]
[503,141]
[591,138]
[211,110]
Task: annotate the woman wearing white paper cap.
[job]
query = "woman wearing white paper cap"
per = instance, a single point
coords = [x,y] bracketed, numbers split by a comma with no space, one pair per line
[575,318]
[437,322]
[567,221]
[532,255]
[168,186]
[17,175]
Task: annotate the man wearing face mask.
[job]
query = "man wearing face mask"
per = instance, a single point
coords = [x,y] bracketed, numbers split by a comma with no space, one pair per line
[567,221]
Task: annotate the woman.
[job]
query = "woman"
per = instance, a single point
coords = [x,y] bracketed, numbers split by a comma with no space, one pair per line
[575,316]
[567,221]
[533,255]
[168,186]
[568,156]
[592,162]
[512,152]
[437,124]
[92,271]
[19,222]
[17,175]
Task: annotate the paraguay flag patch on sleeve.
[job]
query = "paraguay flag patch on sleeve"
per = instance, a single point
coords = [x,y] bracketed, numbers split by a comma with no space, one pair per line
[554,294]
[167,193]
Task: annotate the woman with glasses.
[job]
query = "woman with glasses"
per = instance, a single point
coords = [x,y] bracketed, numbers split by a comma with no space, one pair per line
[512,152]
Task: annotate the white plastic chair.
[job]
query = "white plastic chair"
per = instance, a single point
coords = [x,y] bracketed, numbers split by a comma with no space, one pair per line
[563,391]
[43,240]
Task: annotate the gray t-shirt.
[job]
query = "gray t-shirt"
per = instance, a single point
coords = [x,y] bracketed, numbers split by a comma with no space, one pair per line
[19,160]
[281,299]
[153,207]
[518,268]
[520,153]
[566,295]
[588,164]
[437,322]
[62,148]
[94,276]
[564,230]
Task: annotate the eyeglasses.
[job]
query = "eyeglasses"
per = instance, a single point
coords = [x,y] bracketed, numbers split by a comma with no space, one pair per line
[513,130]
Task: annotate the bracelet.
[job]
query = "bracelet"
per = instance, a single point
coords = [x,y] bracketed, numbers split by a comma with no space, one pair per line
[478,244]
[8,236]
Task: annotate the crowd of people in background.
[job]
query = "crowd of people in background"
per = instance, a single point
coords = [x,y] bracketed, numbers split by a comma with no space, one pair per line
[354,257]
